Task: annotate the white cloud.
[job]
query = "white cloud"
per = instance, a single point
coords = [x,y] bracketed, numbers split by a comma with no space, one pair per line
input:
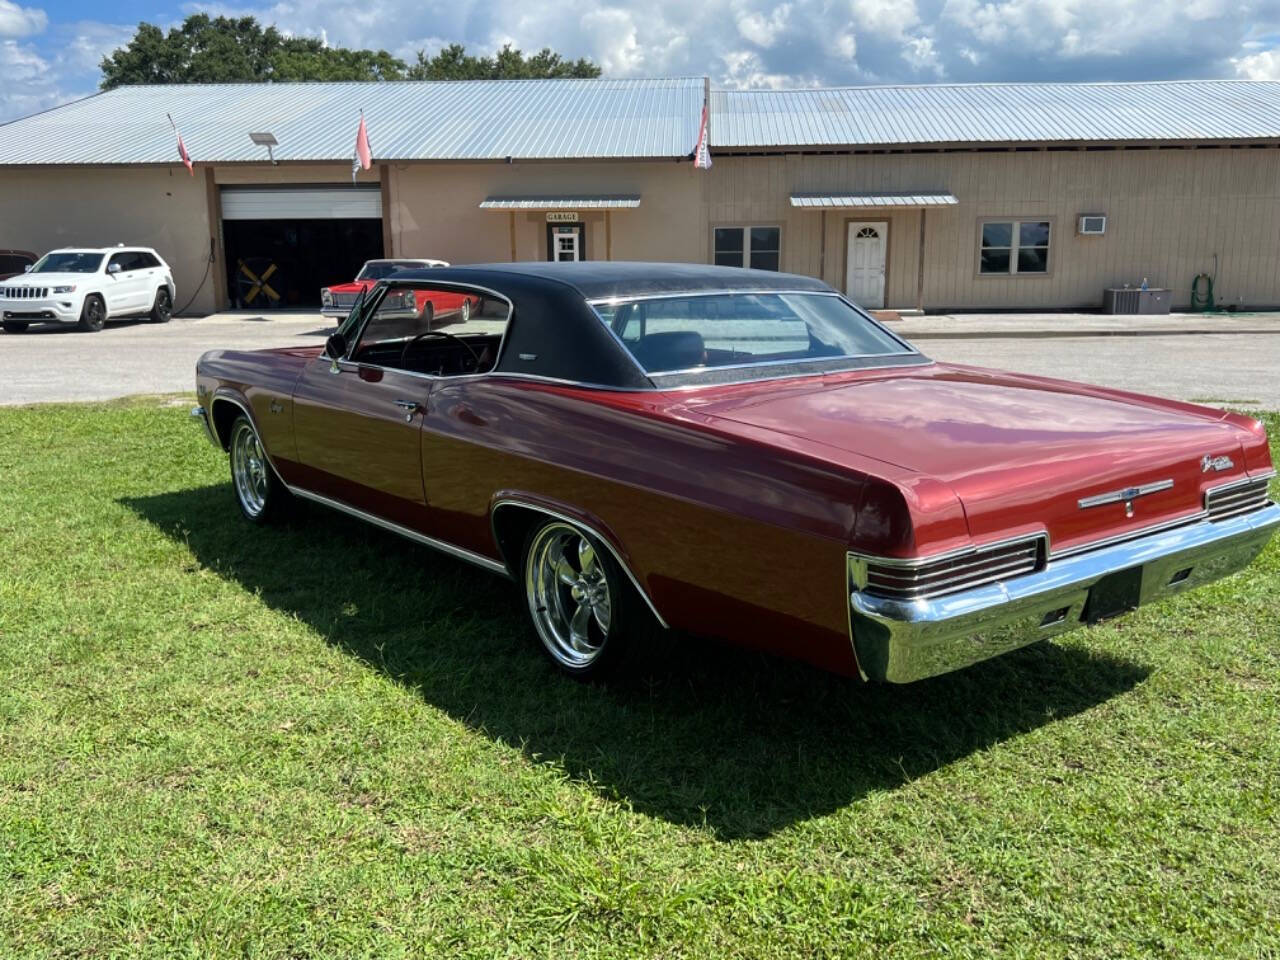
[16,21]
[1258,66]
[748,43]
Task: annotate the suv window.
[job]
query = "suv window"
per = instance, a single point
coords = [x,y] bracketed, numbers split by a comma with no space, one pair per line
[145,261]
[123,260]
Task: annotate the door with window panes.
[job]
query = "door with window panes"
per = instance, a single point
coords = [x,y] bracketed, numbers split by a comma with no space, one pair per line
[757,247]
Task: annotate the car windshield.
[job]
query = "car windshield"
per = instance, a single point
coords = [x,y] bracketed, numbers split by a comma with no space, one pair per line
[68,263]
[379,269]
[683,333]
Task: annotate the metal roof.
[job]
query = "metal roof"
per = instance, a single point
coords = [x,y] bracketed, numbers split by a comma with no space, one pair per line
[821,201]
[560,203]
[462,120]
[996,113]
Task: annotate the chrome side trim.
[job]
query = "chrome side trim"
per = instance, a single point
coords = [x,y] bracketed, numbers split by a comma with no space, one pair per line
[905,640]
[1124,494]
[538,508]
[493,566]
[200,413]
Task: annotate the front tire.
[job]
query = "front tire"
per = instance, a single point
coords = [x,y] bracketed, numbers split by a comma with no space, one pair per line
[162,309]
[583,609]
[259,492]
[15,326]
[93,314]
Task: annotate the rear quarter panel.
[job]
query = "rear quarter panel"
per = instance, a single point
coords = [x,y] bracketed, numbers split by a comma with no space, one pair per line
[730,539]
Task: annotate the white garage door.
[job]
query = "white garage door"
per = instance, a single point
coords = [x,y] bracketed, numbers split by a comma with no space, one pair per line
[301,203]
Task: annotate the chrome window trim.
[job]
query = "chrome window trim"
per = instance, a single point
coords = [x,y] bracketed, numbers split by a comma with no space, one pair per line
[554,514]
[909,350]
[443,546]
[379,293]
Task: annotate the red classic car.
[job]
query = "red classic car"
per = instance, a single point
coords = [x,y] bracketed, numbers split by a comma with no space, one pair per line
[337,300]
[741,454]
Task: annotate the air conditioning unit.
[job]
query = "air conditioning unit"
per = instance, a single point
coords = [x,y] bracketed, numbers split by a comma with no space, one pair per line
[1092,224]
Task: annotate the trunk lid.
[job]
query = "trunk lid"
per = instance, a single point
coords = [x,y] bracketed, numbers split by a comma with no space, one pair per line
[1018,452]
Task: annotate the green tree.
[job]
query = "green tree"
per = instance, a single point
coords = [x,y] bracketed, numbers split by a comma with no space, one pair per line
[239,49]
[454,63]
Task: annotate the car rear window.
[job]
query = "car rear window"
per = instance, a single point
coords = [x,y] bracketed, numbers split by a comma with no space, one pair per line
[694,332]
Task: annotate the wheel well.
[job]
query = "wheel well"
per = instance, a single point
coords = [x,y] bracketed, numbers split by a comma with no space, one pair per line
[511,526]
[223,413]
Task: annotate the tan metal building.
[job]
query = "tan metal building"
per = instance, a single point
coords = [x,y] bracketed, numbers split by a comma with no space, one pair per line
[932,197]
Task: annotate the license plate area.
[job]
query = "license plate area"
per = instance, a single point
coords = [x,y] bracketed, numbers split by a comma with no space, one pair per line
[1114,594]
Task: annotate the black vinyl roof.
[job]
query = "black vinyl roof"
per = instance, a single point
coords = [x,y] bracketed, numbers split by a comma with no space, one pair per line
[553,330]
[601,280]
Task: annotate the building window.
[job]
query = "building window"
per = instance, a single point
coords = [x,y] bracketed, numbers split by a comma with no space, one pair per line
[756,247]
[1014,246]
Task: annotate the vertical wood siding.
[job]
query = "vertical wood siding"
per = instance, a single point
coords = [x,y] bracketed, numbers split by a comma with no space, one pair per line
[1168,212]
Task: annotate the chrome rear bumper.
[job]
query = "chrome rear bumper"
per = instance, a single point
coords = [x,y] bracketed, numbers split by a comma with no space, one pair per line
[905,640]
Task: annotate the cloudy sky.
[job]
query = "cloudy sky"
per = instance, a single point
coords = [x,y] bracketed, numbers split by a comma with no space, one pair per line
[50,49]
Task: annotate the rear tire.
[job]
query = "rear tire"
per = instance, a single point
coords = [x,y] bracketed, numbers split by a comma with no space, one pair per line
[93,314]
[15,326]
[162,309]
[259,492]
[584,610]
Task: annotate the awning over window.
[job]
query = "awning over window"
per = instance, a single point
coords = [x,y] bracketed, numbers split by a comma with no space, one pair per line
[841,201]
[560,203]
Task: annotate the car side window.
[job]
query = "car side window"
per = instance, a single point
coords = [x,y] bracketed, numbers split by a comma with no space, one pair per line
[436,331]
[145,261]
[123,260]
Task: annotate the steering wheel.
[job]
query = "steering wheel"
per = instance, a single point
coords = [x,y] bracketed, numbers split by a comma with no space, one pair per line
[439,333]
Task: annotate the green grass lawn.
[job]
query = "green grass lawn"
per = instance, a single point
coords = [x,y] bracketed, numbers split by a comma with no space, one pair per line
[320,740]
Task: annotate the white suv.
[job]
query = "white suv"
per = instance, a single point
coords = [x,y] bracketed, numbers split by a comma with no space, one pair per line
[88,287]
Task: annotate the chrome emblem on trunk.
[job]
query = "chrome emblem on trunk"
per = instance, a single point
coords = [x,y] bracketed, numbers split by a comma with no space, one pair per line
[1125,495]
[1218,464]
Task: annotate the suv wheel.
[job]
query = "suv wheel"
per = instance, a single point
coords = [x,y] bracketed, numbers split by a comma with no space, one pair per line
[162,309]
[93,314]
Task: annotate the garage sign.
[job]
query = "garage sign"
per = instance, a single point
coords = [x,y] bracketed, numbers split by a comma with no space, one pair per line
[562,216]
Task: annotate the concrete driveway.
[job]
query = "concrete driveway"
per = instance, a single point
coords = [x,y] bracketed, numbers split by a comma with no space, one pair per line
[1225,361]
[55,364]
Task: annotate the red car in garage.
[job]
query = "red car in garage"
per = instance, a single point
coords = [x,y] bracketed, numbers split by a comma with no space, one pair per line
[336,301]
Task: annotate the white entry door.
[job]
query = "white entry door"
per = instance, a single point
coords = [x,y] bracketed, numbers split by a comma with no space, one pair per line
[867,244]
[567,242]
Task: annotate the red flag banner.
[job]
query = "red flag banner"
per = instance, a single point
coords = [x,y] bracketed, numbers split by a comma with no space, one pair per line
[363,158]
[702,152]
[182,147]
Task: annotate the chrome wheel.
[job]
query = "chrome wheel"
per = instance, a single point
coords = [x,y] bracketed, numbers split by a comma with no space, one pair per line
[569,593]
[249,469]
[466,310]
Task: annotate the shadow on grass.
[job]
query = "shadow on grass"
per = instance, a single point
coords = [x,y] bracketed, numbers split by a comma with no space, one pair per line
[700,734]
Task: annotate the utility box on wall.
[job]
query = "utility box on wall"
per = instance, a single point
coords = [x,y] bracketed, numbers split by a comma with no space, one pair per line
[1135,300]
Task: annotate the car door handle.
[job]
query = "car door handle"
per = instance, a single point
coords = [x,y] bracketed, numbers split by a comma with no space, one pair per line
[410,407]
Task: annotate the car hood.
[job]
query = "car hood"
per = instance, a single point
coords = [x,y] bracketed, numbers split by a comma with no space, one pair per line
[354,286]
[1019,452]
[49,279]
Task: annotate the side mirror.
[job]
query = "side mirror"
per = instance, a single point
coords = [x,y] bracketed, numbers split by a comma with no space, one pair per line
[113,268]
[335,347]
